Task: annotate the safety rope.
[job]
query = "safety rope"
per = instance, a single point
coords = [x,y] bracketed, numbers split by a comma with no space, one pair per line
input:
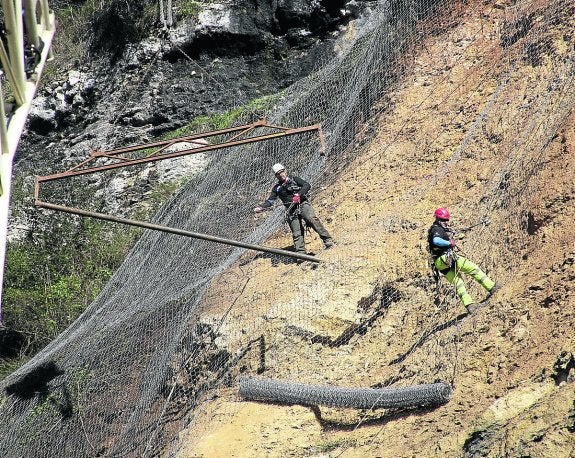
[380,153]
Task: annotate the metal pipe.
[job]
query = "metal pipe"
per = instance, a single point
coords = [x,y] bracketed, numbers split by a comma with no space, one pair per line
[172,230]
[47,22]
[16,89]
[212,133]
[185,152]
[45,15]
[14,32]
[30,22]
[3,121]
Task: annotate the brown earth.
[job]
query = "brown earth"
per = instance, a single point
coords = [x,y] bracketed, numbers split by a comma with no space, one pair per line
[511,364]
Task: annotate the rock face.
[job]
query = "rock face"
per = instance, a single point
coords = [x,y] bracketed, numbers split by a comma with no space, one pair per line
[206,61]
[130,93]
[365,316]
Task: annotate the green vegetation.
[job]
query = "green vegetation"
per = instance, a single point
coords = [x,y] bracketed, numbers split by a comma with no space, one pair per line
[46,407]
[62,402]
[50,281]
[7,366]
[92,26]
[69,47]
[189,9]
[77,385]
[162,192]
[254,109]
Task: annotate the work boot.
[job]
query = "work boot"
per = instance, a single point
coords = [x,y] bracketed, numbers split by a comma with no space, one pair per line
[492,291]
[328,243]
[472,308]
[462,315]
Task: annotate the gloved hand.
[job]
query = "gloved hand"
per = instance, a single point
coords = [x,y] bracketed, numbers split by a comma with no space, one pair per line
[453,243]
[258,209]
[296,199]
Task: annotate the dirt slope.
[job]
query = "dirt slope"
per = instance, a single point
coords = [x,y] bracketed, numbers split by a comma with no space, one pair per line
[512,363]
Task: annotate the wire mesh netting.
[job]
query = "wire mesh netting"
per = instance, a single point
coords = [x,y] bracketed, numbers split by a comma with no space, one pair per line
[182,317]
[262,389]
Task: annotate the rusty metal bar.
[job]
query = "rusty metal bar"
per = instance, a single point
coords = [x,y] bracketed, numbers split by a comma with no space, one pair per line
[321,141]
[245,132]
[81,164]
[124,162]
[172,230]
[154,153]
[212,133]
[277,127]
[128,162]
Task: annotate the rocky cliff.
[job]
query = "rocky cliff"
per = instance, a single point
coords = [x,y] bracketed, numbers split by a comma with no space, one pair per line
[128,80]
[477,118]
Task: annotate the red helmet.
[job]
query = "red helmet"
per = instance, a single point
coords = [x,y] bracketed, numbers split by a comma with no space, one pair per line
[442,213]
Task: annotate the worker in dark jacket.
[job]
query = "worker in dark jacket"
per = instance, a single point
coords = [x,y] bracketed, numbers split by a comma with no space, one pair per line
[442,246]
[292,191]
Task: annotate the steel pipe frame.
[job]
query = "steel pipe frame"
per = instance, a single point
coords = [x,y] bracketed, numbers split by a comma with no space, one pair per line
[30,22]
[75,171]
[13,59]
[162,145]
[173,230]
[15,37]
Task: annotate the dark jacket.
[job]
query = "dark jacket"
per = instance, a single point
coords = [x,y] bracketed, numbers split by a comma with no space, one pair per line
[437,230]
[286,190]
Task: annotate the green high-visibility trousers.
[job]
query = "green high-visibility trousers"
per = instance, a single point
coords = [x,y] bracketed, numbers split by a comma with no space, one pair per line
[453,276]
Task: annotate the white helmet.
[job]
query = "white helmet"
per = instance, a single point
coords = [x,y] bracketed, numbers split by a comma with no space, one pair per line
[278,168]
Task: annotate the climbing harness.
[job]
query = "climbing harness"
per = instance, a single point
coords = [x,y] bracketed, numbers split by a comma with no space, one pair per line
[450,258]
[291,213]
[450,262]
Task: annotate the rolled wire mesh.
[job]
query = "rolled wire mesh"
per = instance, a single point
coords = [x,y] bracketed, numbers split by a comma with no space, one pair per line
[129,373]
[262,389]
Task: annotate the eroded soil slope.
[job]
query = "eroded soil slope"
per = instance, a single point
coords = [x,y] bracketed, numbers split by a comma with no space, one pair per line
[478,127]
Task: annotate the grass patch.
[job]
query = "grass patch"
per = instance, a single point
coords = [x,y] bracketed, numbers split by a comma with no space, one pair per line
[7,366]
[91,27]
[50,282]
[331,445]
[190,9]
[255,109]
